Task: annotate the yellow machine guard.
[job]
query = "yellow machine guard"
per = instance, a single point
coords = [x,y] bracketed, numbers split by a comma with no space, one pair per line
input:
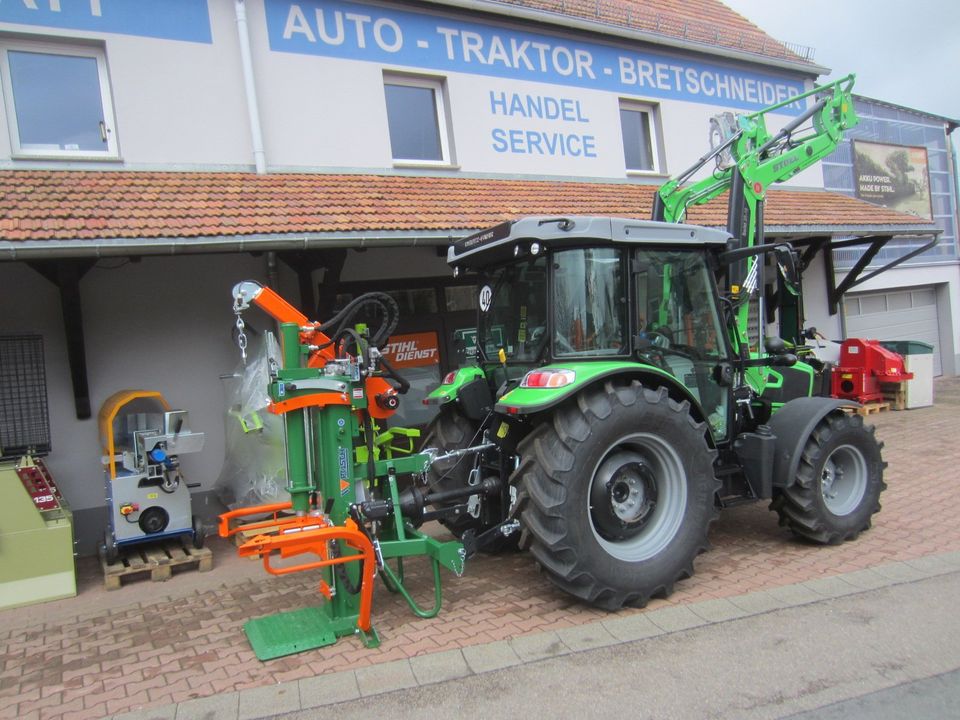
[108,411]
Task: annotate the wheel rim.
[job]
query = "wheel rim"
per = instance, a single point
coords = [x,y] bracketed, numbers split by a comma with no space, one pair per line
[843,480]
[637,498]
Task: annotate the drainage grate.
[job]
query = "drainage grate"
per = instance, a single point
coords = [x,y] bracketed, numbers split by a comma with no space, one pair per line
[24,416]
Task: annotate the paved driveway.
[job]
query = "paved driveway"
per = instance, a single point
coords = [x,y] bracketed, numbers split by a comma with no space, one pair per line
[152,645]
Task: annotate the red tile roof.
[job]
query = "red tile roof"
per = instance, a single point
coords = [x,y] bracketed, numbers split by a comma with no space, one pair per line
[39,205]
[703,21]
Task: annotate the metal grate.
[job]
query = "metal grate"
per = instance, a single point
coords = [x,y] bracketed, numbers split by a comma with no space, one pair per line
[24,416]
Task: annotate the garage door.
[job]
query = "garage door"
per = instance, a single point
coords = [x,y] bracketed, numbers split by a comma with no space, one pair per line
[909,314]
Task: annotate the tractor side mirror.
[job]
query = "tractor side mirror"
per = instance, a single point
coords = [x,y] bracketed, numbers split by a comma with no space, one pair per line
[787,265]
[774,345]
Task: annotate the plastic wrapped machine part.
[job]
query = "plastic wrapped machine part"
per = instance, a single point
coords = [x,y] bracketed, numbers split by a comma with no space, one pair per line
[254,469]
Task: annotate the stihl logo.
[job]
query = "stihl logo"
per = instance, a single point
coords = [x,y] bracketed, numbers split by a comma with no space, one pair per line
[407,351]
[413,350]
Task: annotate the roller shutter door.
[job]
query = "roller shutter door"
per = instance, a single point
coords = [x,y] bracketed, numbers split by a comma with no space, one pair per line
[908,314]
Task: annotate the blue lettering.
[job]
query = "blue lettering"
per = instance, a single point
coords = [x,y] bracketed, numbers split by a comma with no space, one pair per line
[533,142]
[589,146]
[355,30]
[540,107]
[537,142]
[551,108]
[535,106]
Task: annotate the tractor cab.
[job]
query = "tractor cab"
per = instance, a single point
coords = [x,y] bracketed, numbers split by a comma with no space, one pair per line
[581,295]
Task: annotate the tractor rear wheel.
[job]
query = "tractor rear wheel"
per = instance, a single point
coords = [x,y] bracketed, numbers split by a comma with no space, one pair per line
[617,491]
[838,483]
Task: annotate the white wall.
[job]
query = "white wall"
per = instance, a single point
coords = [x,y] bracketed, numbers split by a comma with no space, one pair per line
[161,324]
[176,102]
[182,104]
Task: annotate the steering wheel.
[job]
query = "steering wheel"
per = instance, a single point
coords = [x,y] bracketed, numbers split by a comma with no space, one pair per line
[659,340]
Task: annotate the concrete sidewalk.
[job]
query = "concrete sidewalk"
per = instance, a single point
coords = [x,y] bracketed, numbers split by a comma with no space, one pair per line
[178,646]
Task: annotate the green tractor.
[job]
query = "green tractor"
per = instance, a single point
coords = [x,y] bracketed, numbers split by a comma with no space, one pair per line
[621,390]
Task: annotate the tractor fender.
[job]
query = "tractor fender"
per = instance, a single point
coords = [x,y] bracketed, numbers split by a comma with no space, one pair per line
[792,425]
[535,401]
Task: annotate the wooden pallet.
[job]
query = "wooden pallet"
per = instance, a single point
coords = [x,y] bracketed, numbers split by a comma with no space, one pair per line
[895,394]
[156,560]
[871,408]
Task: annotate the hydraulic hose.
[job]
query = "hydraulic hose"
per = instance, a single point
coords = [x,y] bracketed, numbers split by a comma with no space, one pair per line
[379,300]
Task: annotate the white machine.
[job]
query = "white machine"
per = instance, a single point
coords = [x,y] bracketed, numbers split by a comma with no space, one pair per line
[148,496]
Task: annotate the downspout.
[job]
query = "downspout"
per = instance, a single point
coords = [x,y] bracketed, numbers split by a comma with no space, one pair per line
[250,88]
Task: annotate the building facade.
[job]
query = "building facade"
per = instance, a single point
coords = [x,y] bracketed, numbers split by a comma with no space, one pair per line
[903,158]
[154,154]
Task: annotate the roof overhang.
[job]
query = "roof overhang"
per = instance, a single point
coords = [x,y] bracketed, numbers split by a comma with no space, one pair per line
[810,246]
[27,250]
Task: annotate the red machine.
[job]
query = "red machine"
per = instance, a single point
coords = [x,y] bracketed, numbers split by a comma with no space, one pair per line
[864,364]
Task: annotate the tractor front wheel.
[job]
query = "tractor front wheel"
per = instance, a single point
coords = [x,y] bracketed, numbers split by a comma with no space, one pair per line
[617,492]
[838,483]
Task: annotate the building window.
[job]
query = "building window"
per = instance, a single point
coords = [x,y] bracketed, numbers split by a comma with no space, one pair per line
[58,101]
[417,120]
[24,416]
[638,124]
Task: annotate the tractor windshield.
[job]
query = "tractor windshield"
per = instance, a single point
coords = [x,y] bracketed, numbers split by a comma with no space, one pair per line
[513,311]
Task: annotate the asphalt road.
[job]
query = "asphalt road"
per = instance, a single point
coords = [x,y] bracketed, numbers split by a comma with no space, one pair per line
[884,654]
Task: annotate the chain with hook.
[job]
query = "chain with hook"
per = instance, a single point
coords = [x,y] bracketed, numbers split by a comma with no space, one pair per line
[241,335]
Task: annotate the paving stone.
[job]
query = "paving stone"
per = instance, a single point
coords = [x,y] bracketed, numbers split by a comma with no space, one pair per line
[831,587]
[757,602]
[539,647]
[718,610]
[216,707]
[933,565]
[384,677]
[269,701]
[492,656]
[674,619]
[631,627]
[328,689]
[167,712]
[868,579]
[791,595]
[900,572]
[586,637]
[951,558]
[439,666]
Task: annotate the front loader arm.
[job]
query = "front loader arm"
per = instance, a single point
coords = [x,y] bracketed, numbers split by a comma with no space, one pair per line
[762,160]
